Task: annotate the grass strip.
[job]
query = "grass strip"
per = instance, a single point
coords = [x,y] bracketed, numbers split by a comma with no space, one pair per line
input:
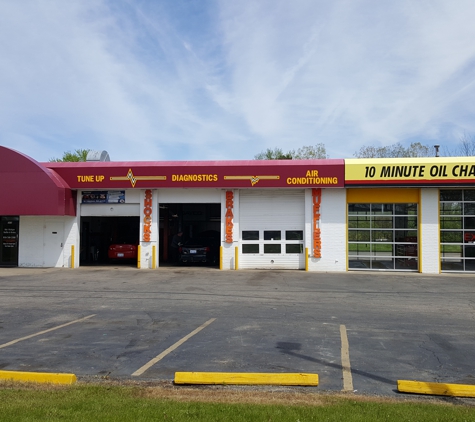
[125,403]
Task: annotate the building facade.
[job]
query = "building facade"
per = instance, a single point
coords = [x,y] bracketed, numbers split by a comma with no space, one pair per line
[317,215]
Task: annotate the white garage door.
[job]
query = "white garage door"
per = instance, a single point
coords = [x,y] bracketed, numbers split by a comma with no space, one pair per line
[272,229]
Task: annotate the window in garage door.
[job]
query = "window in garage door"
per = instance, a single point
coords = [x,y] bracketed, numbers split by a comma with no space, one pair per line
[383,229]
[272,242]
[383,236]
[457,230]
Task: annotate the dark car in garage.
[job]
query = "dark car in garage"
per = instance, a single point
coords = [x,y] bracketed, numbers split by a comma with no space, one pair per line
[202,248]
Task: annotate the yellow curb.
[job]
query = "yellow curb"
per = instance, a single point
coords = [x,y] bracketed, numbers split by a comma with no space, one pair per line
[239,378]
[41,377]
[435,388]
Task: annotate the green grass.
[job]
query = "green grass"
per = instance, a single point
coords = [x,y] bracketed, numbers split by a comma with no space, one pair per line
[134,403]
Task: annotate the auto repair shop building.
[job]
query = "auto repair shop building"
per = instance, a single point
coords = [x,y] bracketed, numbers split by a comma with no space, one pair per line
[319,215]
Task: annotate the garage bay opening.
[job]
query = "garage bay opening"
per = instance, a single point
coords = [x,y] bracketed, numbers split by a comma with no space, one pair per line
[190,234]
[109,240]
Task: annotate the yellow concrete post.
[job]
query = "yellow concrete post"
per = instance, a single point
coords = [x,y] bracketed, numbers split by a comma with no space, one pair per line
[306,259]
[139,252]
[220,257]
[154,258]
[236,258]
[72,256]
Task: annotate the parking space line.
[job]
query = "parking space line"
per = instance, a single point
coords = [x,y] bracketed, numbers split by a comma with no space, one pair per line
[345,360]
[148,365]
[45,331]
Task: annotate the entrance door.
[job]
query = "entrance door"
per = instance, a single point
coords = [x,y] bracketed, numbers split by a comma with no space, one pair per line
[53,238]
[9,230]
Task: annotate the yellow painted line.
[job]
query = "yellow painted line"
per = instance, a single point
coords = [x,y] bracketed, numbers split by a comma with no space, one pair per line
[239,378]
[435,388]
[41,377]
[345,360]
[148,365]
[45,331]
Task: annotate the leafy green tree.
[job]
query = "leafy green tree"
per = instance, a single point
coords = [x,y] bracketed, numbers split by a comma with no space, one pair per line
[397,150]
[310,152]
[76,156]
[273,154]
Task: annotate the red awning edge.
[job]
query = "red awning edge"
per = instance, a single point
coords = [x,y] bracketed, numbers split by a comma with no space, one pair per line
[29,188]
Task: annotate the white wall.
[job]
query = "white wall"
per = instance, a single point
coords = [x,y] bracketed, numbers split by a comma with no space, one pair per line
[333,230]
[429,241]
[46,241]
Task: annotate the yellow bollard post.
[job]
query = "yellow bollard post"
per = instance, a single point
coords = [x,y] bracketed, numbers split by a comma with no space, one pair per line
[139,251]
[72,256]
[306,259]
[220,257]
[154,258]
[236,258]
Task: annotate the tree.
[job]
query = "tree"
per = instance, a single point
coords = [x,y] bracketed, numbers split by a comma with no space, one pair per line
[317,151]
[310,152]
[466,148]
[76,156]
[273,154]
[397,150]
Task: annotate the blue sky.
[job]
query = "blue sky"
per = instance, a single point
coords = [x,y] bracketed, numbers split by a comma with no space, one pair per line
[213,80]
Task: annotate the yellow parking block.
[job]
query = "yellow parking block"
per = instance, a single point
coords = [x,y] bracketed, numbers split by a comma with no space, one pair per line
[435,388]
[40,377]
[239,378]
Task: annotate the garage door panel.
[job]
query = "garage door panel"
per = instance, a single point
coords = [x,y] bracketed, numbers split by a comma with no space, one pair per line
[272,224]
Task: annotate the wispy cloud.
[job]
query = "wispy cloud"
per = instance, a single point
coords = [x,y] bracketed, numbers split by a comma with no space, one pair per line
[224,80]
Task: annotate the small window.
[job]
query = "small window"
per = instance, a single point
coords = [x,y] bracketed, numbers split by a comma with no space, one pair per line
[451,208]
[451,236]
[272,248]
[293,235]
[451,223]
[250,248]
[405,209]
[359,235]
[355,209]
[451,195]
[272,235]
[469,208]
[250,235]
[294,248]
[379,209]
[469,195]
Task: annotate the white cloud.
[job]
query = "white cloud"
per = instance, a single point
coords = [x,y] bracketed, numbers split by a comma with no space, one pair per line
[182,80]
[368,71]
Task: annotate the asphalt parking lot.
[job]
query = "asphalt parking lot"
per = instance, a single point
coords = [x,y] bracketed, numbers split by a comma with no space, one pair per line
[358,331]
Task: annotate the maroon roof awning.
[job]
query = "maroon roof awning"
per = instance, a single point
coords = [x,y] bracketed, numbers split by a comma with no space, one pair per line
[28,188]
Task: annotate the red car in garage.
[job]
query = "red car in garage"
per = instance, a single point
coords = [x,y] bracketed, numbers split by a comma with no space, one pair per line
[122,251]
